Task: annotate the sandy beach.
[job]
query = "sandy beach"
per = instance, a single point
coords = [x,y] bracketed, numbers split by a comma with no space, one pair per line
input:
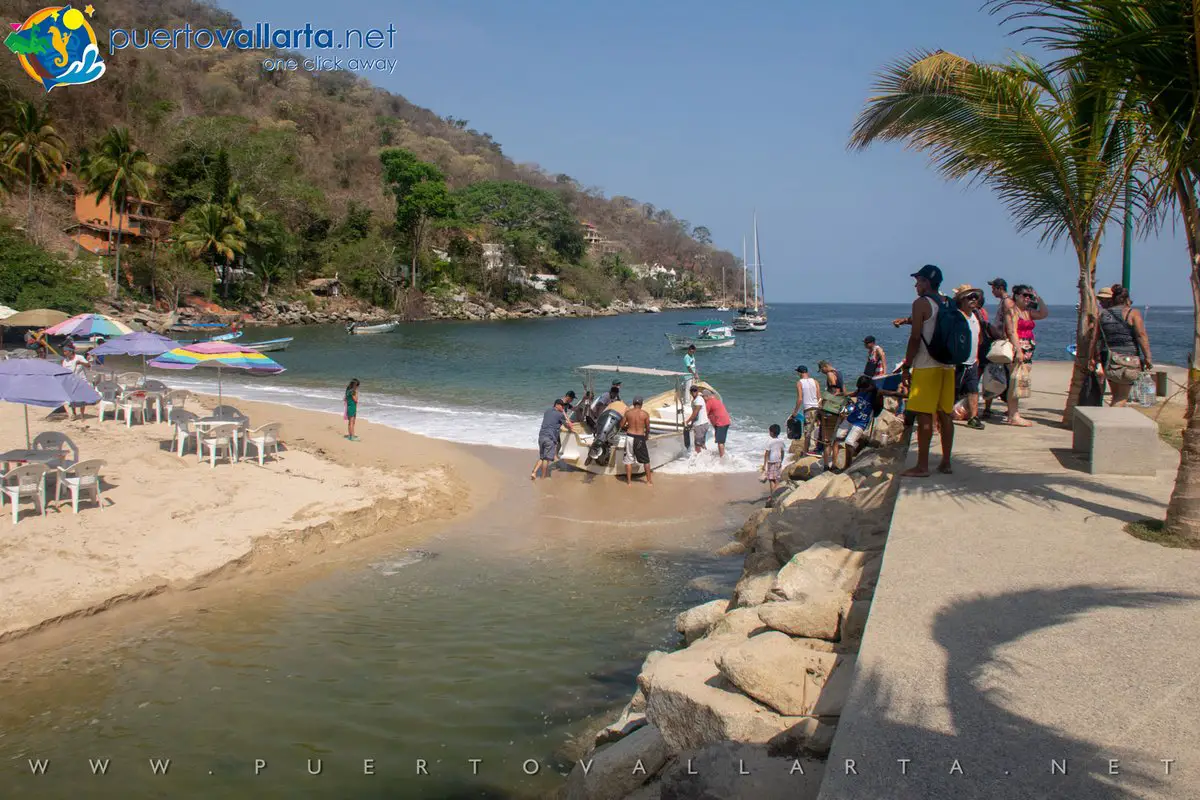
[172,523]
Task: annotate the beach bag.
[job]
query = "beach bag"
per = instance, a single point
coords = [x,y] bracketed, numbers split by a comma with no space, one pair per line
[1001,352]
[995,380]
[795,428]
[832,403]
[951,340]
[1024,378]
[1123,368]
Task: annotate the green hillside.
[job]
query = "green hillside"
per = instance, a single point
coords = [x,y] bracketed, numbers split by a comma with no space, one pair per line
[291,166]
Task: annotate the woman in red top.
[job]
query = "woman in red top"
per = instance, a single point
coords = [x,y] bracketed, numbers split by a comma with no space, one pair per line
[719,418]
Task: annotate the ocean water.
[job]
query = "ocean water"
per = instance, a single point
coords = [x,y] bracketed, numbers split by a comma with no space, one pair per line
[488,382]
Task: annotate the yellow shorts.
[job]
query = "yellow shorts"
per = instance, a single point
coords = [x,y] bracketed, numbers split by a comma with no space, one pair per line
[931,390]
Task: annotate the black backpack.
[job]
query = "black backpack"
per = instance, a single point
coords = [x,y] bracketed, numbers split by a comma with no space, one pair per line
[951,340]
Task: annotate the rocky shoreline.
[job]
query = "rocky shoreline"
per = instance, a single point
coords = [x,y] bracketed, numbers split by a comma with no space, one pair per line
[748,705]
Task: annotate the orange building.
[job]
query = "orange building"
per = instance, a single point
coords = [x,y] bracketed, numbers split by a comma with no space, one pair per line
[91,231]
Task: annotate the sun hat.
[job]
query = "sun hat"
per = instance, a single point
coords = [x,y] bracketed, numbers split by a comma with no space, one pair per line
[965,289]
[1104,294]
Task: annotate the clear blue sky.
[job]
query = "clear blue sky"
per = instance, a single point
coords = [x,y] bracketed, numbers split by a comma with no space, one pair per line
[714,109]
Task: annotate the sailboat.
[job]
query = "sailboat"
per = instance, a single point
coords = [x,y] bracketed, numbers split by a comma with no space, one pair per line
[752,317]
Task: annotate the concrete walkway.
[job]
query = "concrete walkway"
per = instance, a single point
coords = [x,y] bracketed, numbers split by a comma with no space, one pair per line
[1017,631]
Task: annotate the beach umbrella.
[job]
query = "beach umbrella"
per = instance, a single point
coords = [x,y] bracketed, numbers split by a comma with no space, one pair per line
[34,382]
[85,325]
[37,318]
[142,343]
[221,355]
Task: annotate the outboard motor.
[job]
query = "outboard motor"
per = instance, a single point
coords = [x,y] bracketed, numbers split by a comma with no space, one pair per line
[608,431]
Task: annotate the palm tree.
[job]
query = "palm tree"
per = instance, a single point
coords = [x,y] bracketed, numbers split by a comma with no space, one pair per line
[208,232]
[117,170]
[1150,52]
[1053,148]
[31,145]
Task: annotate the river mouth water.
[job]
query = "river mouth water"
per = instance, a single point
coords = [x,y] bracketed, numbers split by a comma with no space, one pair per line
[449,668]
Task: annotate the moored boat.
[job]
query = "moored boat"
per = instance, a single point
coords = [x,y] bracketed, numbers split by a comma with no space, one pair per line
[599,445]
[713,333]
[356,329]
[752,317]
[270,345]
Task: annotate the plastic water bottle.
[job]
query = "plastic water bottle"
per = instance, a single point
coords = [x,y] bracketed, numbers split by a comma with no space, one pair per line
[1148,390]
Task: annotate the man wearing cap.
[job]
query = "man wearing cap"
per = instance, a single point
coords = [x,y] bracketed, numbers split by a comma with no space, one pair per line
[548,442]
[636,425]
[876,359]
[966,378]
[999,288]
[689,367]
[930,383]
[808,402]
[601,402]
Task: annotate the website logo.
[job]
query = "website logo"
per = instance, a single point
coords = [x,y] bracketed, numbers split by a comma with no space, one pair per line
[57,46]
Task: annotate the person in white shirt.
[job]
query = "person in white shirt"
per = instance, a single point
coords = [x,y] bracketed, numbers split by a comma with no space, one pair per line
[698,421]
[970,300]
[808,402]
[689,367]
[77,364]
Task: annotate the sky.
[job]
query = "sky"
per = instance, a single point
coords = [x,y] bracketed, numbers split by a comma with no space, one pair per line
[718,110]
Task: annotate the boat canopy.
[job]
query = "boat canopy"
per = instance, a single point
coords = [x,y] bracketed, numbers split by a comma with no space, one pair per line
[708,322]
[658,373]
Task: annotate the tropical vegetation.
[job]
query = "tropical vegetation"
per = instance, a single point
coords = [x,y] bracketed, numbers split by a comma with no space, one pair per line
[271,179]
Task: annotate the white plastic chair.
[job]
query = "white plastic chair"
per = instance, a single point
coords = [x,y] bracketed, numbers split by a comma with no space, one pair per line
[54,441]
[28,481]
[128,404]
[176,398]
[110,399]
[227,412]
[152,399]
[182,420]
[80,478]
[262,438]
[130,380]
[155,386]
[219,437]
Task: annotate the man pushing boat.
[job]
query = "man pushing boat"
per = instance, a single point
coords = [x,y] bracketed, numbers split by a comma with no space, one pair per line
[636,425]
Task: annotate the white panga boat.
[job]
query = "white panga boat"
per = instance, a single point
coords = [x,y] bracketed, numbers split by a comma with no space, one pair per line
[752,317]
[357,329]
[270,345]
[599,445]
[713,333]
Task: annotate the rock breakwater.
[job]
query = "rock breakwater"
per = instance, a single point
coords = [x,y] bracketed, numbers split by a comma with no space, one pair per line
[748,705]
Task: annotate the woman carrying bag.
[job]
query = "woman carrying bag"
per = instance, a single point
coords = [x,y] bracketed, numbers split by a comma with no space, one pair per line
[1123,346]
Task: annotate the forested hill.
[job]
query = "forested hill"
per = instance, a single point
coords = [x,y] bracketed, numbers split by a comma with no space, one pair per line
[306,147]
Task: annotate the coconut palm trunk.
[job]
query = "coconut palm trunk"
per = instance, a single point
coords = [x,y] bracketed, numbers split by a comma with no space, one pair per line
[1183,511]
[29,192]
[120,228]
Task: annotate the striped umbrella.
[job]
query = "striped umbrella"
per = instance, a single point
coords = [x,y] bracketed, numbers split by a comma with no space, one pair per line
[85,325]
[221,355]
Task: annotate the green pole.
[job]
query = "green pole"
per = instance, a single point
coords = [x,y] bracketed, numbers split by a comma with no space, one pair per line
[1127,249]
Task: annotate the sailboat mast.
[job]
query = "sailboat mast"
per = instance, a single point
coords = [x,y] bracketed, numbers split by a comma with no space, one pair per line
[756,261]
[745,267]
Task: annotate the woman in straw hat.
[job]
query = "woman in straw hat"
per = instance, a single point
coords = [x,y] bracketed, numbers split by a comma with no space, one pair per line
[970,302]
[1123,346]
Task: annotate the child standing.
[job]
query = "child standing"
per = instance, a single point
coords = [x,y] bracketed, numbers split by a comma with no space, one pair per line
[772,467]
[351,408]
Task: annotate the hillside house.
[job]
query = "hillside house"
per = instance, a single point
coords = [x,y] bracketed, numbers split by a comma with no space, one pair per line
[92,227]
[668,275]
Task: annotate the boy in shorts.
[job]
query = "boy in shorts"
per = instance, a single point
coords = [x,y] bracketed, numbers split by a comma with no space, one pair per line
[852,432]
[772,468]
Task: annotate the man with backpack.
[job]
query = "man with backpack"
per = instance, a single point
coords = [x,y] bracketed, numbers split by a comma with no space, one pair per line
[940,340]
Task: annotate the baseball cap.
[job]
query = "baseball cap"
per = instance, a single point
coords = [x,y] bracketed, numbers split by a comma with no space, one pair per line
[616,383]
[930,273]
[802,368]
[570,393]
[1003,284]
[637,401]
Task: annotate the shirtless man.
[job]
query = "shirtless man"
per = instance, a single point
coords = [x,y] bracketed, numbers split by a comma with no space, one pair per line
[636,425]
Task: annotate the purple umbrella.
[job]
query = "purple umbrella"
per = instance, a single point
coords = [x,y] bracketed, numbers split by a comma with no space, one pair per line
[141,344]
[34,382]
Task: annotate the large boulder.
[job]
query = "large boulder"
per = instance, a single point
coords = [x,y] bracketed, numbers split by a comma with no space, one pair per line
[817,616]
[752,590]
[805,468]
[749,530]
[632,717]
[794,530]
[695,622]
[689,702]
[854,621]
[787,676]
[825,567]
[615,770]
[733,771]
[826,484]
[738,622]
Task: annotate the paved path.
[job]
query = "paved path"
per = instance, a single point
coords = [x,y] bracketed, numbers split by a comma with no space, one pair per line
[1017,628]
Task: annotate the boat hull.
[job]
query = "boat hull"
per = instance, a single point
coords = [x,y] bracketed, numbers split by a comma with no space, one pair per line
[745,325]
[683,342]
[270,346]
[366,330]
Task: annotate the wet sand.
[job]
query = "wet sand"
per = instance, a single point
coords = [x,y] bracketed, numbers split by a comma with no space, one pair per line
[174,524]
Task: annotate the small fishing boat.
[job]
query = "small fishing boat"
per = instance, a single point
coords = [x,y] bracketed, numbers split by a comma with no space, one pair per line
[270,345]
[713,333]
[723,309]
[357,329]
[598,445]
[224,337]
